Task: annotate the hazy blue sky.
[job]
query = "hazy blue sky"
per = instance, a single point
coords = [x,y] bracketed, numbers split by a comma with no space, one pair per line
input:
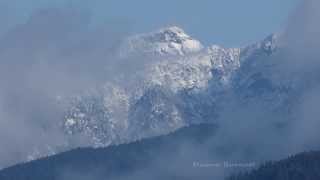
[226,22]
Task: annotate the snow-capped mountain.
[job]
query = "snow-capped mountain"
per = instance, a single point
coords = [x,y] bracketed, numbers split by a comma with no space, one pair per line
[183,83]
[181,86]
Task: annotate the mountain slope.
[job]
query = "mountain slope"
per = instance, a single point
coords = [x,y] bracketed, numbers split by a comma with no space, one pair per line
[142,159]
[164,157]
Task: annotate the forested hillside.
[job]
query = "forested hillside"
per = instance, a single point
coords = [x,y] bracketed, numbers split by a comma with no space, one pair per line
[304,166]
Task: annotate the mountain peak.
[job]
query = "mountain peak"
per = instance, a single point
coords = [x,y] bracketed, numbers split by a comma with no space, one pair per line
[173,32]
[169,41]
[267,46]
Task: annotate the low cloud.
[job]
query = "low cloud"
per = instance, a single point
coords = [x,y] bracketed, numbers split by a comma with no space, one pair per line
[56,52]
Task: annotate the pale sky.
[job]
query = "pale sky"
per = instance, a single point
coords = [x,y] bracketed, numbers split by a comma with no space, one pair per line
[225,22]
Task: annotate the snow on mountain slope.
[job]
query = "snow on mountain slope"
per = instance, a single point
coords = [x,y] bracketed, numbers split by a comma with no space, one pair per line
[158,103]
[170,89]
[100,115]
[182,84]
[259,76]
